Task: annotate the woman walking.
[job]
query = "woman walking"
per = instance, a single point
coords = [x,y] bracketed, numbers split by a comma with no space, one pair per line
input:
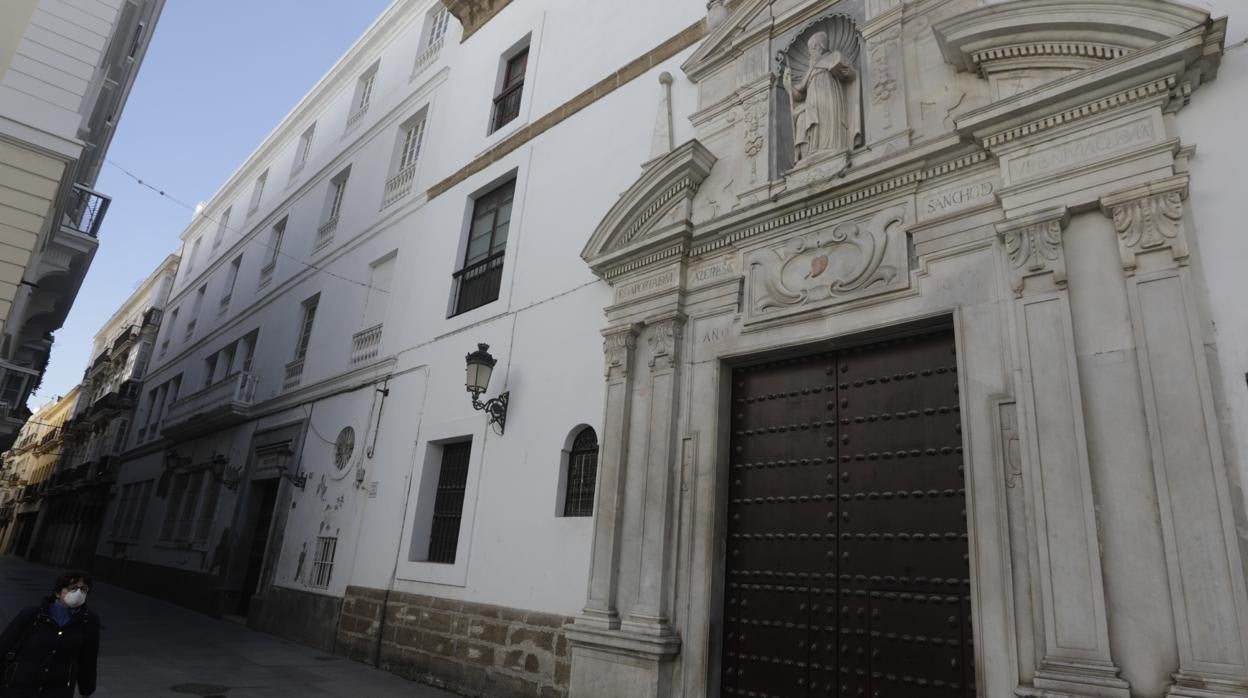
[49,649]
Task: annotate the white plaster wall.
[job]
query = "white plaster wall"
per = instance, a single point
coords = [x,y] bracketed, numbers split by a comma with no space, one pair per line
[1216,211]
[514,550]
[52,69]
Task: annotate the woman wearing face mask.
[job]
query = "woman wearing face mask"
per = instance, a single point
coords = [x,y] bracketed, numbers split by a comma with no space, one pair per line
[49,649]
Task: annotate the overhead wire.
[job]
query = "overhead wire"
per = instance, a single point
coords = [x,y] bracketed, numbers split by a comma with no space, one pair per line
[225,224]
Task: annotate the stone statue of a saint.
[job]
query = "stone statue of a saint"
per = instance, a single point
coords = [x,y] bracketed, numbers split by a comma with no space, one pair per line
[822,116]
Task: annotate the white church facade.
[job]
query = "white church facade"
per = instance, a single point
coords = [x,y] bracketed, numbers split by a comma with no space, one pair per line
[857,347]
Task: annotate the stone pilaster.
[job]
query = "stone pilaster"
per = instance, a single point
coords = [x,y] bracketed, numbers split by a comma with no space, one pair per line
[1203,559]
[651,615]
[1075,659]
[619,347]
[884,90]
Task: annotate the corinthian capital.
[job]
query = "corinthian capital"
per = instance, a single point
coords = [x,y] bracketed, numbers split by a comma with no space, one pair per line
[1034,246]
[1149,218]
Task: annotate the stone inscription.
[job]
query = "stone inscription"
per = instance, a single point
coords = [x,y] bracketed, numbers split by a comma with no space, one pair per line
[959,198]
[714,271]
[1084,150]
[642,287]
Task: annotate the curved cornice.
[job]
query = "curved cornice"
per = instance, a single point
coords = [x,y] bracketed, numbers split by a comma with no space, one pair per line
[1093,29]
[665,183]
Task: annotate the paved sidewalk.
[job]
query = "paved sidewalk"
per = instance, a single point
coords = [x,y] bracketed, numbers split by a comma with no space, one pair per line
[152,649]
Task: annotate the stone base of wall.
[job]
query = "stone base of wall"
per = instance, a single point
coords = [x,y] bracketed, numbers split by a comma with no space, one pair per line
[193,590]
[300,616]
[468,648]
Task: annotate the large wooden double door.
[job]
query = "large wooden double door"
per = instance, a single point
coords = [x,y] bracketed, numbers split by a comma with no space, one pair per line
[847,567]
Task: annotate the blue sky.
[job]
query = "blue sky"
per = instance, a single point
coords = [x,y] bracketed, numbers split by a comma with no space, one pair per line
[219,75]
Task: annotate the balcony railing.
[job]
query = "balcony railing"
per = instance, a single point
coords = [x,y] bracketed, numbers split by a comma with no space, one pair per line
[366,344]
[85,211]
[294,374]
[478,283]
[227,401]
[266,273]
[507,105]
[428,56]
[325,233]
[153,316]
[356,117]
[399,185]
[129,334]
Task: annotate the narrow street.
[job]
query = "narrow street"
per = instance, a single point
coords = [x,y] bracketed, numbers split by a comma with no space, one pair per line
[152,649]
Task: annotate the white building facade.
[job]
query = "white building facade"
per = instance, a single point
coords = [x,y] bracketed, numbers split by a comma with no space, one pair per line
[923,369]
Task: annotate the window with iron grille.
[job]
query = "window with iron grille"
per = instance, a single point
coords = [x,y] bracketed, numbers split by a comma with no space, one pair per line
[507,102]
[323,563]
[479,281]
[582,474]
[448,505]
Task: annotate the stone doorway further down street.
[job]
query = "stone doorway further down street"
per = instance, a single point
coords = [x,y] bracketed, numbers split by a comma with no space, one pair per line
[153,649]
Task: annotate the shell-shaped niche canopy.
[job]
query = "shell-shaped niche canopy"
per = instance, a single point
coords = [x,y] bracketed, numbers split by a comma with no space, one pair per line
[842,36]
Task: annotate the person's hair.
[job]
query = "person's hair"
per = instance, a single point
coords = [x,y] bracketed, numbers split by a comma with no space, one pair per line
[69,578]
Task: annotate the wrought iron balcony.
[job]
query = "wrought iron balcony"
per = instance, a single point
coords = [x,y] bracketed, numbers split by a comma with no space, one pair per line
[224,403]
[478,284]
[153,317]
[366,344]
[325,233]
[85,211]
[507,105]
[294,374]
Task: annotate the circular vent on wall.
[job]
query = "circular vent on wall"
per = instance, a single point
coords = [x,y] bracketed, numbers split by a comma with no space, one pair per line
[344,447]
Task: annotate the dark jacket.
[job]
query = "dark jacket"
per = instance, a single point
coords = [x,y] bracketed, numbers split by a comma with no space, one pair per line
[49,659]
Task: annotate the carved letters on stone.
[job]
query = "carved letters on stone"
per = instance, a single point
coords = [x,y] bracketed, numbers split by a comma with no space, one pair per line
[1034,246]
[841,262]
[1148,219]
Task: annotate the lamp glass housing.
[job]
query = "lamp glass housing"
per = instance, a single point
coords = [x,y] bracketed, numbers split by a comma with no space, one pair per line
[480,365]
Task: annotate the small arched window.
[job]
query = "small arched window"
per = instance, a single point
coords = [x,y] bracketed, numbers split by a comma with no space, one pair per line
[582,474]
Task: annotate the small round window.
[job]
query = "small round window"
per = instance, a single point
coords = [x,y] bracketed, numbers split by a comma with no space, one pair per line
[344,447]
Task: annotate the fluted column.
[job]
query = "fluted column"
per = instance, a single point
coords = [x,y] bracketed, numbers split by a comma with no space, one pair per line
[620,348]
[1203,559]
[651,614]
[1076,657]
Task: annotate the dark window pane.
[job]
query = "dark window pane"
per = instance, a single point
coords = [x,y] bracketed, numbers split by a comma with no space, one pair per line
[448,506]
[582,474]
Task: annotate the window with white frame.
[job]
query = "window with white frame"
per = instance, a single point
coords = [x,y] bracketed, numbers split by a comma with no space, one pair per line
[257,192]
[231,280]
[333,207]
[439,20]
[274,246]
[305,327]
[222,225]
[193,257]
[304,150]
[323,562]
[363,95]
[196,307]
[170,328]
[173,506]
[406,155]
[436,23]
[478,282]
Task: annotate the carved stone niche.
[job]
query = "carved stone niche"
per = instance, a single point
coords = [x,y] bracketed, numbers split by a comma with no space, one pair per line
[832,264]
[1021,45]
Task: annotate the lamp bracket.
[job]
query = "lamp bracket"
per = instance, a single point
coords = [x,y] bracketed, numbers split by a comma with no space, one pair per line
[496,408]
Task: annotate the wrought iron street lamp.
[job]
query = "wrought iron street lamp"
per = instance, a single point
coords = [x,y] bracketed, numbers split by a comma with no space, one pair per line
[480,367]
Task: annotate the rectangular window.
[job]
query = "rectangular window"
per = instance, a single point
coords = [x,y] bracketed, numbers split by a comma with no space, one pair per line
[140,512]
[410,139]
[337,189]
[173,506]
[231,279]
[333,207]
[196,306]
[448,507]
[207,509]
[258,191]
[479,280]
[304,149]
[121,521]
[323,563]
[119,436]
[249,351]
[379,279]
[363,95]
[507,102]
[305,327]
[210,369]
[194,256]
[222,226]
[186,517]
[274,246]
[438,22]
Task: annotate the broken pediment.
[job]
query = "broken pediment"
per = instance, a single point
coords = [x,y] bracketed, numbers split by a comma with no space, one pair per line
[1024,44]
[655,212]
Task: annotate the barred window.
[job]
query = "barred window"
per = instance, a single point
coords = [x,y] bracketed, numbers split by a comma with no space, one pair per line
[323,563]
[582,474]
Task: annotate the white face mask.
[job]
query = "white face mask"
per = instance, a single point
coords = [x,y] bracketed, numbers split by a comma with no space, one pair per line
[75,598]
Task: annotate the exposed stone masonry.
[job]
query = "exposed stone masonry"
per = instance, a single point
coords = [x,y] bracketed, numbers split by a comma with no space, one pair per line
[470,648]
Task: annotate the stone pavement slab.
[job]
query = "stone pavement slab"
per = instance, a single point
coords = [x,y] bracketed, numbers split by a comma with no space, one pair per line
[149,647]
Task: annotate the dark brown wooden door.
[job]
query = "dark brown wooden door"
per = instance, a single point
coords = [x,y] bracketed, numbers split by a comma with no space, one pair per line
[847,568]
